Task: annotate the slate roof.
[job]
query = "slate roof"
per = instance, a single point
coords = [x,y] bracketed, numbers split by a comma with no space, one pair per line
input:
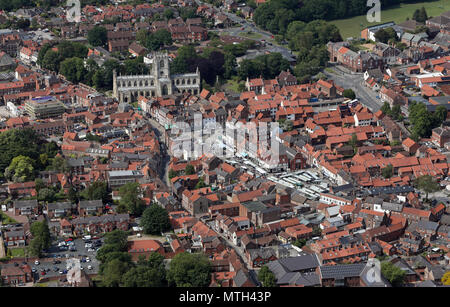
[341,271]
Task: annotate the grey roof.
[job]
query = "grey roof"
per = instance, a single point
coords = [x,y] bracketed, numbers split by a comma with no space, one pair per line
[25,203]
[75,162]
[15,233]
[426,283]
[240,278]
[299,263]
[432,226]
[91,203]
[101,219]
[60,205]
[295,278]
[341,271]
[438,271]
[391,190]
[254,206]
[392,206]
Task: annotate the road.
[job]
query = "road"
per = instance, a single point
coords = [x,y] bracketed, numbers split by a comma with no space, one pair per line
[355,81]
[159,131]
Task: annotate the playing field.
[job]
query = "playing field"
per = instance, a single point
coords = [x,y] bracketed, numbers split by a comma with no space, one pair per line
[351,27]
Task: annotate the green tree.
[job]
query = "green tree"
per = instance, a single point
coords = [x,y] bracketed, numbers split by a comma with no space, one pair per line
[168,13]
[59,164]
[189,170]
[155,220]
[428,184]
[172,174]
[392,273]
[41,238]
[200,184]
[349,93]
[388,171]
[130,199]
[97,190]
[21,169]
[97,36]
[266,277]
[189,270]
[113,272]
[73,69]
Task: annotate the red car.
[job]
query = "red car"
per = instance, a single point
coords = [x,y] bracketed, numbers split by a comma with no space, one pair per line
[69,239]
[42,273]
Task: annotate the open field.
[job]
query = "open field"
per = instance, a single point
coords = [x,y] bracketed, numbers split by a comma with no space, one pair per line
[351,27]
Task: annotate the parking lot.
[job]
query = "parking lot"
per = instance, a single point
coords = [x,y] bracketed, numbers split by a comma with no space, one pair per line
[58,266]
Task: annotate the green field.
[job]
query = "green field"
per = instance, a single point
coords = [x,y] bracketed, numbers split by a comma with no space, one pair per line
[17,252]
[351,27]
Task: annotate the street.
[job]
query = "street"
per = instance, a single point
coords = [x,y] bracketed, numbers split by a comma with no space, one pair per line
[355,81]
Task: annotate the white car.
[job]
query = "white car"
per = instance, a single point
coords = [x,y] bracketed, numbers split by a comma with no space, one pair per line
[36,262]
[88,245]
[88,259]
[89,267]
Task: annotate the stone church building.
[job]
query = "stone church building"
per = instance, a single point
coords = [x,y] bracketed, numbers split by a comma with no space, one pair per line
[156,84]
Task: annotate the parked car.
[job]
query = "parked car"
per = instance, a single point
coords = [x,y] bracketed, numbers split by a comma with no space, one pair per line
[36,262]
[89,267]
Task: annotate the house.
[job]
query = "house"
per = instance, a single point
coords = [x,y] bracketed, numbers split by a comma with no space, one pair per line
[341,275]
[15,238]
[257,258]
[296,271]
[410,146]
[100,224]
[59,209]
[137,248]
[137,50]
[15,275]
[25,207]
[90,207]
[440,136]
[6,62]
[22,189]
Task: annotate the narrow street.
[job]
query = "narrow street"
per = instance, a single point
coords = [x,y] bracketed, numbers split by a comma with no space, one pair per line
[159,131]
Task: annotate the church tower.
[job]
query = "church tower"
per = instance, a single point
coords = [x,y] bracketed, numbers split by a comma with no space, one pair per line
[161,73]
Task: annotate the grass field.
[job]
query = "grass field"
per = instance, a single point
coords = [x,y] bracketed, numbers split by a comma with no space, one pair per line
[351,27]
[17,252]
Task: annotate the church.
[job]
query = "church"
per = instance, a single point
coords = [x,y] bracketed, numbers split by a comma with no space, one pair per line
[156,84]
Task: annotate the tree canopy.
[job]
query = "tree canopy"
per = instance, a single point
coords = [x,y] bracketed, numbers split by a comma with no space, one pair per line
[189,270]
[41,238]
[266,277]
[97,36]
[130,198]
[155,220]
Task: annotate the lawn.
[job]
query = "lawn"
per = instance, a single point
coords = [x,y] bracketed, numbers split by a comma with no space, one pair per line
[17,252]
[232,85]
[351,27]
[6,219]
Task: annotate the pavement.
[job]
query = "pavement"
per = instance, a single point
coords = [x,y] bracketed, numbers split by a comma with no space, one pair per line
[355,81]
